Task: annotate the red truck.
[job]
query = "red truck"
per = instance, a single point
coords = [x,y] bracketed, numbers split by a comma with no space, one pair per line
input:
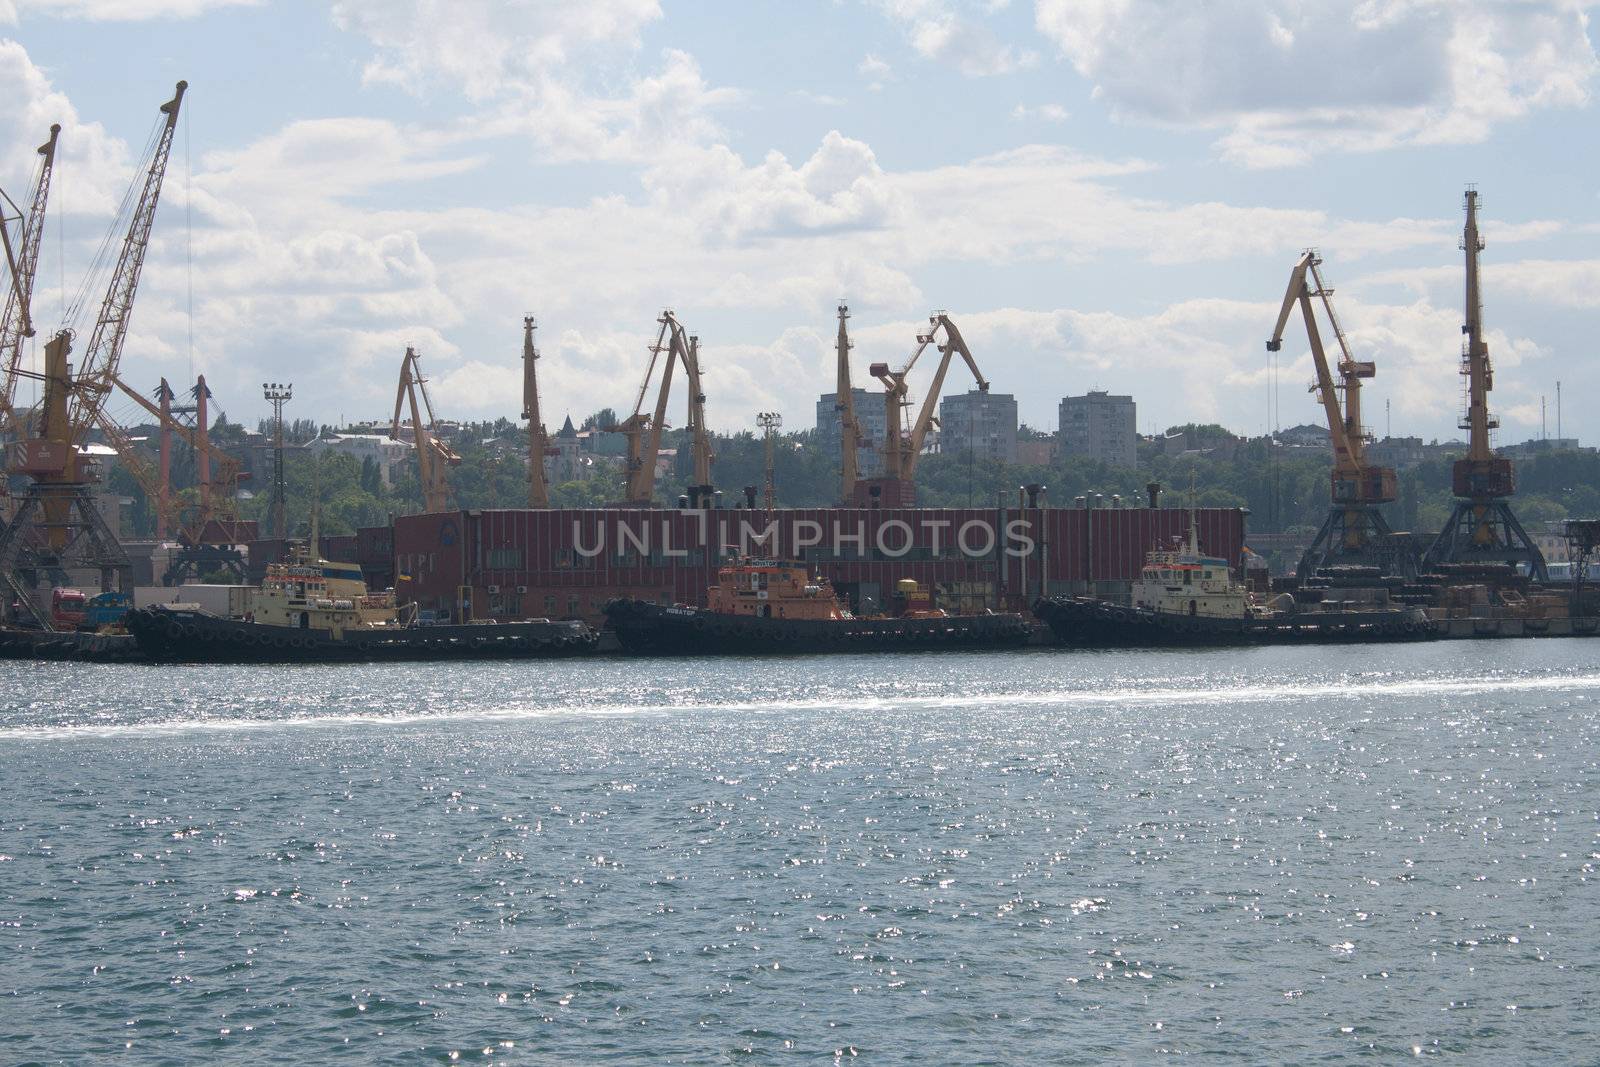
[69,609]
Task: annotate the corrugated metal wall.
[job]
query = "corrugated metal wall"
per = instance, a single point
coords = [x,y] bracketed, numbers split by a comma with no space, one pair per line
[569,562]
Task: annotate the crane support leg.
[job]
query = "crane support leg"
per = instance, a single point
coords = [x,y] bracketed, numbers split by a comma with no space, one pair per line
[89,543]
[1357,534]
[1485,531]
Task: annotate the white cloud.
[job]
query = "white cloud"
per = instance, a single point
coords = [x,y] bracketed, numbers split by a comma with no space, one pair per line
[115,10]
[1043,113]
[939,33]
[486,47]
[876,71]
[840,186]
[561,73]
[1285,82]
[98,163]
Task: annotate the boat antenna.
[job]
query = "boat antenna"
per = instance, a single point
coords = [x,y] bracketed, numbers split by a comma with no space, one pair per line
[1194,515]
[314,546]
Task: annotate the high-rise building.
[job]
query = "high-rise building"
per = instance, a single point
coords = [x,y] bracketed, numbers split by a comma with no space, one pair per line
[1100,426]
[873,419]
[985,423]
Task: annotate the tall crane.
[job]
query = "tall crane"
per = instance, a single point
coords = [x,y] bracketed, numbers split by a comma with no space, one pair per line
[850,436]
[1482,529]
[433,455]
[56,518]
[16,323]
[902,446]
[643,429]
[538,437]
[215,512]
[1355,530]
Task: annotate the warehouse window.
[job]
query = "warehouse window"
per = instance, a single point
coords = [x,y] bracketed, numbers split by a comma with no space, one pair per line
[505,559]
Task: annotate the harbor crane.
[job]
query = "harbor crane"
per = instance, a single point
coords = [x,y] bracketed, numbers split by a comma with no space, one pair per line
[22,260]
[1355,530]
[433,455]
[56,523]
[208,527]
[902,446]
[851,437]
[538,436]
[1482,529]
[643,429]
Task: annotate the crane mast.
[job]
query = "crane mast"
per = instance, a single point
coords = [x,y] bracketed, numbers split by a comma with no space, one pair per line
[1482,529]
[538,437]
[643,429]
[903,446]
[845,405]
[16,323]
[1355,530]
[212,506]
[433,455]
[699,437]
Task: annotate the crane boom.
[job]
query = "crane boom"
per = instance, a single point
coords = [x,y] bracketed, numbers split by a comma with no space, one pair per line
[644,430]
[699,438]
[1299,292]
[17,322]
[538,437]
[1478,370]
[902,447]
[433,455]
[845,405]
[104,350]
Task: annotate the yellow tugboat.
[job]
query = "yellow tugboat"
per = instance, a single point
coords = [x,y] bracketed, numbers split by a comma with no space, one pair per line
[771,605]
[1184,597]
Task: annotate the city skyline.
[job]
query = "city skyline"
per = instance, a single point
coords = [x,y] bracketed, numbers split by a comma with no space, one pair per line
[360,176]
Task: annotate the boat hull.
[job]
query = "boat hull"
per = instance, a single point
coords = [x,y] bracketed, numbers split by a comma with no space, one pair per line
[187,636]
[68,645]
[1086,622]
[642,627]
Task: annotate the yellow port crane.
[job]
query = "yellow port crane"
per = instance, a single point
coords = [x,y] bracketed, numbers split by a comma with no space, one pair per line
[851,437]
[902,446]
[56,524]
[433,455]
[1355,531]
[22,260]
[538,436]
[214,513]
[643,429]
[1482,529]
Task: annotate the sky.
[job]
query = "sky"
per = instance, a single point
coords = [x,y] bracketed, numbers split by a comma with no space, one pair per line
[1102,194]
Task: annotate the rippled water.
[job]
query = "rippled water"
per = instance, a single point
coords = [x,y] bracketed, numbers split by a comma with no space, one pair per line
[1297,855]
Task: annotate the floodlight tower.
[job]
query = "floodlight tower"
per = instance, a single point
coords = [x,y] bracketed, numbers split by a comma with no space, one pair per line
[277,394]
[770,421]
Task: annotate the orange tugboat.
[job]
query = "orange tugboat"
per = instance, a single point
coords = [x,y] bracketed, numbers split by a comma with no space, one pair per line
[770,605]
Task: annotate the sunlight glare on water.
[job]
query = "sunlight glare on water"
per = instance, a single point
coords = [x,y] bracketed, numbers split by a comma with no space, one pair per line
[1038,856]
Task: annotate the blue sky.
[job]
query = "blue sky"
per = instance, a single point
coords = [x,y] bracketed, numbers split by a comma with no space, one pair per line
[1103,193]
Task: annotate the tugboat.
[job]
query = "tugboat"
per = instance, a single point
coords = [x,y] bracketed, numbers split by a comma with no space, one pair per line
[771,605]
[316,611]
[1184,597]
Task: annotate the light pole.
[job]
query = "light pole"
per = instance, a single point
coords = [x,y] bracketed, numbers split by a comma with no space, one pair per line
[770,421]
[277,394]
